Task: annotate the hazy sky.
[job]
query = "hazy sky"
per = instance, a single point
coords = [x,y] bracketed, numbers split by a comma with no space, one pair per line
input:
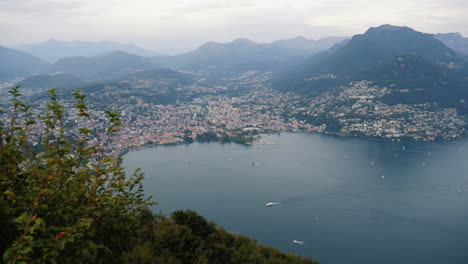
[180,25]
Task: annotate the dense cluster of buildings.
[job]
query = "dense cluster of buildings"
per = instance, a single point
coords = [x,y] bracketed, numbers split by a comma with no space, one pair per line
[354,109]
[256,112]
[358,110]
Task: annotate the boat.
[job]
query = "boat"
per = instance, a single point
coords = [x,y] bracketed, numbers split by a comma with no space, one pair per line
[298,242]
[270,204]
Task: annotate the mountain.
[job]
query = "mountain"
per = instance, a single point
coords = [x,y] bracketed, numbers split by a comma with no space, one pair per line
[362,54]
[111,65]
[213,54]
[383,43]
[244,54]
[455,41]
[53,50]
[49,81]
[16,63]
[171,78]
[156,86]
[415,80]
[307,46]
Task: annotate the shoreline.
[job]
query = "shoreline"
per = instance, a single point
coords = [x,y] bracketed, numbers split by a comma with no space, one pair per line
[258,138]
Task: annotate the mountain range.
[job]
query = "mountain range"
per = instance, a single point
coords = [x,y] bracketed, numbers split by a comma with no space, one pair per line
[53,50]
[111,65]
[239,55]
[244,54]
[16,63]
[48,81]
[454,41]
[107,66]
[432,68]
[398,57]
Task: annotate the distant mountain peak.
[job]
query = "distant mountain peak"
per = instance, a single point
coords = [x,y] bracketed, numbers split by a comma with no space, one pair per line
[53,49]
[15,61]
[388,28]
[452,35]
[455,41]
[237,43]
[391,27]
[243,42]
[209,45]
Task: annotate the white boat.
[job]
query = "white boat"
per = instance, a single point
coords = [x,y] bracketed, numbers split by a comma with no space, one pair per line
[298,242]
[270,204]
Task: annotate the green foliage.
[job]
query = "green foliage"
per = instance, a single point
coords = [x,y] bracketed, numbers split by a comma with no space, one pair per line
[188,136]
[207,137]
[187,237]
[224,138]
[197,223]
[63,202]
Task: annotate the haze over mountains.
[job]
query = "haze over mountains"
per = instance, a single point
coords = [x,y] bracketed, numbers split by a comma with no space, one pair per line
[116,60]
[47,81]
[244,54]
[111,65]
[454,41]
[431,67]
[17,63]
[53,50]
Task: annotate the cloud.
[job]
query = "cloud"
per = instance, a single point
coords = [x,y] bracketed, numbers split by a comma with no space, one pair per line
[443,18]
[42,7]
[178,25]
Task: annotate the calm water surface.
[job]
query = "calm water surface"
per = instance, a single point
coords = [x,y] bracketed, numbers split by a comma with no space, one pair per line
[350,200]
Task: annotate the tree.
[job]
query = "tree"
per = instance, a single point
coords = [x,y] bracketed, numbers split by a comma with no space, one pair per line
[197,223]
[64,200]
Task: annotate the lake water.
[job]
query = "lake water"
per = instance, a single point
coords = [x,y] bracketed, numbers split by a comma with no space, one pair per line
[350,200]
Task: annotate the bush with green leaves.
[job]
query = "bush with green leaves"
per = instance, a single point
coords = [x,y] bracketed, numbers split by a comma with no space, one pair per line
[63,200]
[187,237]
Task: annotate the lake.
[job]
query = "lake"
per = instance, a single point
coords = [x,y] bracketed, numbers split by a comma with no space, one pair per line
[350,200]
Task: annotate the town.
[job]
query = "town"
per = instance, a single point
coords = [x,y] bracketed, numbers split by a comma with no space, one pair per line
[358,112]
[351,110]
